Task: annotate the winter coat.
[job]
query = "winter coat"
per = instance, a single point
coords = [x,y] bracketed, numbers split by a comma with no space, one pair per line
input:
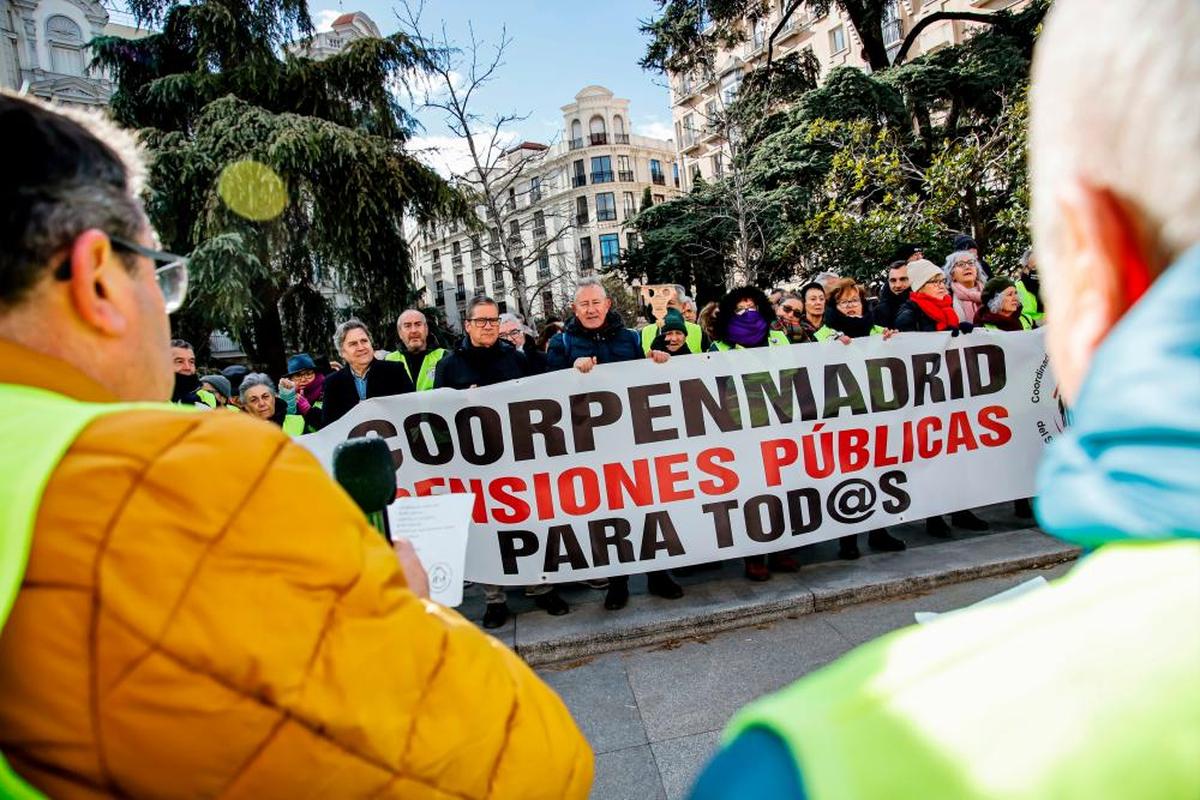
[611,342]
[885,310]
[384,378]
[469,365]
[910,317]
[205,613]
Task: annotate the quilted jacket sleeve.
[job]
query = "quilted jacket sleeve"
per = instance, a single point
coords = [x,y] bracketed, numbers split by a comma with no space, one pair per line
[254,637]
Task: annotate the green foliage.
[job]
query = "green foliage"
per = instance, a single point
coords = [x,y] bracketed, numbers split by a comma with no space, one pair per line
[212,90]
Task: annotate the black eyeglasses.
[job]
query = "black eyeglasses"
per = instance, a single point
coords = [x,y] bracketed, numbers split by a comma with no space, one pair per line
[172,276]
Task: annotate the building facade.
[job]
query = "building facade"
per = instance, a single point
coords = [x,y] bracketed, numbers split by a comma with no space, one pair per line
[566,205]
[44,52]
[344,30]
[696,100]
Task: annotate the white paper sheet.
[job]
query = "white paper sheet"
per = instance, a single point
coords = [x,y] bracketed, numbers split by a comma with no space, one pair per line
[438,527]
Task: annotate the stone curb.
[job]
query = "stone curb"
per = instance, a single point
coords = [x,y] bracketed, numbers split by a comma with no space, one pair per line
[820,587]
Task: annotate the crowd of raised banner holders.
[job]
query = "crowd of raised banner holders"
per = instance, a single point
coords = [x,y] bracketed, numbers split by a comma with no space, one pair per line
[917,295]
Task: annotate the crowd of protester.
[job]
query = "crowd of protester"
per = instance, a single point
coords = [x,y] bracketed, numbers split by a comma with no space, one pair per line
[495,346]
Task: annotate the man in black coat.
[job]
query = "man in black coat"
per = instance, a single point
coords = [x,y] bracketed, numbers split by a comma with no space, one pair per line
[891,298]
[364,376]
[482,358]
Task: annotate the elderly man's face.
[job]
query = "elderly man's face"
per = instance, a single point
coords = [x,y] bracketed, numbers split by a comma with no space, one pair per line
[183,360]
[413,330]
[689,312]
[357,350]
[674,340]
[511,332]
[591,307]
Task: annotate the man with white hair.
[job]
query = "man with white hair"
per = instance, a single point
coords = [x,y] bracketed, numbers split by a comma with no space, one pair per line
[1089,688]
[595,335]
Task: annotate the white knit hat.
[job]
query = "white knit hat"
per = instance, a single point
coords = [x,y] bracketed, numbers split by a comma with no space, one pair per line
[920,272]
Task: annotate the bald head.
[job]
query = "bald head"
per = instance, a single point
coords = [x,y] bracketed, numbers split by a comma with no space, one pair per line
[413,330]
[1114,162]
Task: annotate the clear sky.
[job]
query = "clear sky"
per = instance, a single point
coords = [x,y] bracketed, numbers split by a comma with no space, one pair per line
[558,47]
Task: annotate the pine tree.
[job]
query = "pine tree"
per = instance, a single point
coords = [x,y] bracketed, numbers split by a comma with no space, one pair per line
[282,175]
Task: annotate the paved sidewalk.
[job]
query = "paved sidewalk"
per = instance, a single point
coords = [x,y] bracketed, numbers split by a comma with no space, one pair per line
[720,598]
[654,714]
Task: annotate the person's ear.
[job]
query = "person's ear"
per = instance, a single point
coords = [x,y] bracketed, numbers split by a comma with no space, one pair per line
[1108,266]
[99,284]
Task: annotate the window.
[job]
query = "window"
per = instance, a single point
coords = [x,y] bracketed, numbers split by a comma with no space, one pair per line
[658,198]
[624,169]
[543,267]
[440,291]
[65,39]
[837,39]
[436,256]
[630,204]
[548,303]
[758,37]
[610,250]
[585,253]
[606,207]
[460,288]
[675,172]
[539,225]
[730,84]
[892,29]
[696,172]
[535,189]
[581,210]
[514,231]
[479,287]
[718,165]
[689,130]
[455,249]
[511,202]
[579,179]
[596,131]
[656,173]
[498,274]
[576,134]
[602,169]
[710,116]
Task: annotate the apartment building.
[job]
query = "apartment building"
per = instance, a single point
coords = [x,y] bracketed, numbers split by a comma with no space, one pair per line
[565,206]
[43,48]
[698,99]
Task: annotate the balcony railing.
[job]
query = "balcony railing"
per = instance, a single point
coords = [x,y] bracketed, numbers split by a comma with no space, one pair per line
[578,180]
[581,219]
[597,138]
[576,144]
[539,234]
[460,294]
[620,138]
[440,299]
[585,263]
[602,177]
[660,180]
[457,263]
[606,215]
[535,195]
[625,176]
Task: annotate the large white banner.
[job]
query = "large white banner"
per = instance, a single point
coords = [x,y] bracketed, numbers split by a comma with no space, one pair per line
[641,466]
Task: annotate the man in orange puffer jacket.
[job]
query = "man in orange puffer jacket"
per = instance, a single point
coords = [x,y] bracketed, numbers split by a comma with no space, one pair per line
[202,612]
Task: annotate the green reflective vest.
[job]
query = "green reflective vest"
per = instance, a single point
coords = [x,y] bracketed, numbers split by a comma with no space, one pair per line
[37,428]
[825,332]
[1087,688]
[774,339]
[293,425]
[1030,308]
[423,380]
[695,336]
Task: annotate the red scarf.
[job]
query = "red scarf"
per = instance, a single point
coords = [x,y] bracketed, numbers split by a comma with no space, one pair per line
[940,311]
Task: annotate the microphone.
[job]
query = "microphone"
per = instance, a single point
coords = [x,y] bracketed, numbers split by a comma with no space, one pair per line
[363,466]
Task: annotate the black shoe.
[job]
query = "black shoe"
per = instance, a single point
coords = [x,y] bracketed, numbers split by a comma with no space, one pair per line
[495,615]
[617,595]
[661,585]
[884,542]
[552,603]
[937,528]
[1022,508]
[968,521]
[848,548]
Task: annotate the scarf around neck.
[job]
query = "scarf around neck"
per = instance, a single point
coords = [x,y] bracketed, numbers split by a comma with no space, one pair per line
[854,327]
[940,311]
[747,328]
